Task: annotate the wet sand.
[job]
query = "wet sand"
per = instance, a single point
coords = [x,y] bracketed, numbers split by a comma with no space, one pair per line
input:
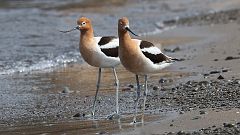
[190,97]
[211,50]
[198,49]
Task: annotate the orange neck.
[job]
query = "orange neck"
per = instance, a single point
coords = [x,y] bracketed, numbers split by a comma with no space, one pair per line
[124,38]
[86,37]
[87,33]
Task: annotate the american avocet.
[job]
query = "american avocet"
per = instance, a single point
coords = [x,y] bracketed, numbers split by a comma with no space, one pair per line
[139,57]
[99,52]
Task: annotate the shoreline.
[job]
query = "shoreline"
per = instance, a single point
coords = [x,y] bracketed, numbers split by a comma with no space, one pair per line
[189,87]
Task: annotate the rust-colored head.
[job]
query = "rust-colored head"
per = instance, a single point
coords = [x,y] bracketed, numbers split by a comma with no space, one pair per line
[123,26]
[84,24]
[123,23]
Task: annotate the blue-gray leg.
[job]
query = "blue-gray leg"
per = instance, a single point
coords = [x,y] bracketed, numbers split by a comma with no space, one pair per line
[95,98]
[117,89]
[136,100]
[145,97]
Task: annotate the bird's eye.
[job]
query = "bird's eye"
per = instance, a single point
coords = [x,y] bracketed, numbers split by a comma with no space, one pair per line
[83,23]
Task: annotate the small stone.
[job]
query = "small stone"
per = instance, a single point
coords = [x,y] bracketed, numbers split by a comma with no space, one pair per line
[229,125]
[231,58]
[220,77]
[202,112]
[181,112]
[77,115]
[171,125]
[170,133]
[225,70]
[205,74]
[66,90]
[156,88]
[161,80]
[102,133]
[214,72]
[181,133]
[131,86]
[113,116]
[196,117]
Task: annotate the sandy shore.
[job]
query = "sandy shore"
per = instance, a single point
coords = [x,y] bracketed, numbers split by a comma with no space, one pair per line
[211,50]
[199,95]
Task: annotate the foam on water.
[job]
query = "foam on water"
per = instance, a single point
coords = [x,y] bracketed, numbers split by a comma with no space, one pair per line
[43,65]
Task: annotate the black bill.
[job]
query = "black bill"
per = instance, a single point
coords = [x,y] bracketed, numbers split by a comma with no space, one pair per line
[127,28]
[76,28]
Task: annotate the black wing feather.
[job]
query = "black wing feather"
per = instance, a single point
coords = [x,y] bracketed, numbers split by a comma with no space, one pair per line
[156,58]
[106,40]
[111,52]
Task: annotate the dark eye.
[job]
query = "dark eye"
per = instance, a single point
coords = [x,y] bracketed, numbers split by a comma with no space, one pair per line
[83,23]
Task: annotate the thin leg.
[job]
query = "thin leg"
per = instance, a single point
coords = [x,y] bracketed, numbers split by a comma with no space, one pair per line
[98,85]
[117,88]
[145,97]
[136,101]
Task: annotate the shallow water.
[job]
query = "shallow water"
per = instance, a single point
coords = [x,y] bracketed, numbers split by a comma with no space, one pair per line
[85,127]
[31,44]
[30,39]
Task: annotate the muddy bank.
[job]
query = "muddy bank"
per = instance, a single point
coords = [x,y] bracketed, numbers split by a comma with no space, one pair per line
[59,101]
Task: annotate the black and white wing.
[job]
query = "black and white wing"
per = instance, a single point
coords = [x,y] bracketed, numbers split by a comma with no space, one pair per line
[108,45]
[153,53]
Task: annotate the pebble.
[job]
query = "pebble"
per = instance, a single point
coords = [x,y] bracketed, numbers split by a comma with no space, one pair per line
[231,58]
[131,86]
[170,133]
[220,77]
[113,116]
[196,117]
[156,88]
[214,72]
[181,112]
[77,115]
[202,112]
[66,90]
[229,125]
[102,133]
[181,133]
[225,70]
[161,80]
